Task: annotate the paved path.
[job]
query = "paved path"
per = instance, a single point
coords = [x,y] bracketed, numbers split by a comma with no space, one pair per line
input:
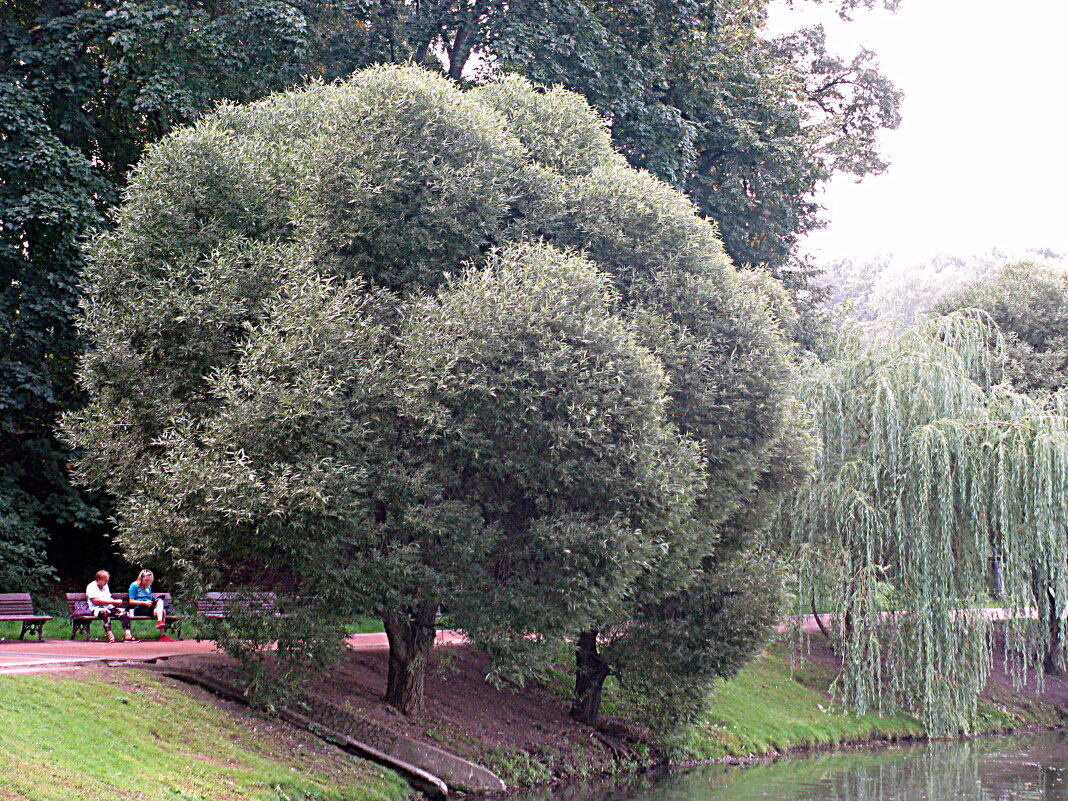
[30,656]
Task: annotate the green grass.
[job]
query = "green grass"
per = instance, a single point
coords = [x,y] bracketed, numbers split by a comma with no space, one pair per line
[126,734]
[59,628]
[365,624]
[769,708]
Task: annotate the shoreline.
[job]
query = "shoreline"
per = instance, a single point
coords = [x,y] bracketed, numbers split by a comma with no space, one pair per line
[774,709]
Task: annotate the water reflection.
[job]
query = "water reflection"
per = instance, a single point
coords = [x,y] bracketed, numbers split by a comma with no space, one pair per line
[1021,768]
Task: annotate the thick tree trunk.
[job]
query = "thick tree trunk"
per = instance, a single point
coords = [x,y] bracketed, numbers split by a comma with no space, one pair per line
[411,639]
[590,672]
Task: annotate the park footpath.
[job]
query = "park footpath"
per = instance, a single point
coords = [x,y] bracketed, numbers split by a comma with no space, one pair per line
[31,656]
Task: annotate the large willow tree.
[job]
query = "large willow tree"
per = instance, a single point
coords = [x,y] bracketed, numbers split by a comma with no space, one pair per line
[930,469]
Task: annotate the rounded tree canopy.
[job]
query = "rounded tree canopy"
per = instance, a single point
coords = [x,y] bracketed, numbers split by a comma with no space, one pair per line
[391,323]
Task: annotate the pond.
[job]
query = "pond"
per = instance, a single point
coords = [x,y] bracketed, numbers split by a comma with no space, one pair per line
[1018,768]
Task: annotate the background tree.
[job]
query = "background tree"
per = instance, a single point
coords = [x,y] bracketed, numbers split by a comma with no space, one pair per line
[887,293]
[46,202]
[929,468]
[1028,301]
[469,408]
[84,87]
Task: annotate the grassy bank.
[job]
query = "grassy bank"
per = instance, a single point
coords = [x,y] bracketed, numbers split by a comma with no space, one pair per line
[126,734]
[770,707]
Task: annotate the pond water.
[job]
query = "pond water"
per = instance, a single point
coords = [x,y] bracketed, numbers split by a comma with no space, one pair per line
[1018,768]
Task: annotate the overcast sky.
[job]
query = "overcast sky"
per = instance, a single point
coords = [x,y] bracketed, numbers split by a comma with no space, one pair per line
[981,157]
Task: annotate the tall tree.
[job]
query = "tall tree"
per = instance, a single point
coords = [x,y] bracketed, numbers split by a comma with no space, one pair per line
[469,408]
[928,469]
[746,124]
[1029,303]
[84,87]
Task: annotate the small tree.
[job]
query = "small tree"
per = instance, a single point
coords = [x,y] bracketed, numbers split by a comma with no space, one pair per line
[345,349]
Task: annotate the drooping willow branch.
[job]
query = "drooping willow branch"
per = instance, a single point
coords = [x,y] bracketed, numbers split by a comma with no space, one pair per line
[928,471]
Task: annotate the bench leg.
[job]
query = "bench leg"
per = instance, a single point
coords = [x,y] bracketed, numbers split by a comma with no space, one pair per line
[78,626]
[32,627]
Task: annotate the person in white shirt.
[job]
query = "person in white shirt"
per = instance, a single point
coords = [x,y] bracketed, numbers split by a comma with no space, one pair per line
[103,606]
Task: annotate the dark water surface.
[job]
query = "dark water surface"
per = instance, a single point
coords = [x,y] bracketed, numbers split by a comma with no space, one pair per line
[1018,768]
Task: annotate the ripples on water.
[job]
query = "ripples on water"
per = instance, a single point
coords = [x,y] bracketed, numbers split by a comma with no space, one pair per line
[1021,768]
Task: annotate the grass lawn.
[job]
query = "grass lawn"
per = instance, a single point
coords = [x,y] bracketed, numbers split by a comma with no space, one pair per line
[127,734]
[59,629]
[768,708]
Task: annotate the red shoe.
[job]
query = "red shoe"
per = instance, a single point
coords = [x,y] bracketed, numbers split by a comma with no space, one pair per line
[165,638]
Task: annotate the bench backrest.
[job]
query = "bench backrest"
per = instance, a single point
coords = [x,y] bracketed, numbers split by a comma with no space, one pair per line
[222,604]
[15,603]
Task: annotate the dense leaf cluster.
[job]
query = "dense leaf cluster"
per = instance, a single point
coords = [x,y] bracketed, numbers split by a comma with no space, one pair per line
[84,86]
[1028,300]
[388,345]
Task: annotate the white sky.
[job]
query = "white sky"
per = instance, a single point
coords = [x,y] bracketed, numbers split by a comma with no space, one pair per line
[981,157]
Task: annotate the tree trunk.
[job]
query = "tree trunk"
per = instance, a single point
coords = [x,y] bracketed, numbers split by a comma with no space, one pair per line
[816,617]
[411,639]
[1051,663]
[590,672]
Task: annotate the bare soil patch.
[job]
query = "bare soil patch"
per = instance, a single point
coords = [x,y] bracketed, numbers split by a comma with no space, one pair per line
[522,734]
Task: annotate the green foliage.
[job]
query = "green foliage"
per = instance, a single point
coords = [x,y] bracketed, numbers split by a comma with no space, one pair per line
[928,470]
[84,87]
[558,128]
[747,125]
[46,204]
[1029,302]
[367,368]
[22,541]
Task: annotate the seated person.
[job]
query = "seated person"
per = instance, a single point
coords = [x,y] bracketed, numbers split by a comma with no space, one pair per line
[103,606]
[142,602]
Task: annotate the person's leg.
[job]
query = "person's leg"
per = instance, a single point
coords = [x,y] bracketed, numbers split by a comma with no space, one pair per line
[124,617]
[161,615]
[105,618]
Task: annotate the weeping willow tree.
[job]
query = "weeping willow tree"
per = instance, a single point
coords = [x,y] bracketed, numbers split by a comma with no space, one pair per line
[930,471]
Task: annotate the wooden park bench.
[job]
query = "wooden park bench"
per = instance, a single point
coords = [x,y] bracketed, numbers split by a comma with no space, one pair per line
[18,607]
[221,605]
[79,623]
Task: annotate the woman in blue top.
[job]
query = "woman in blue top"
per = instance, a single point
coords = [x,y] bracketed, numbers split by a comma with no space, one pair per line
[142,602]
